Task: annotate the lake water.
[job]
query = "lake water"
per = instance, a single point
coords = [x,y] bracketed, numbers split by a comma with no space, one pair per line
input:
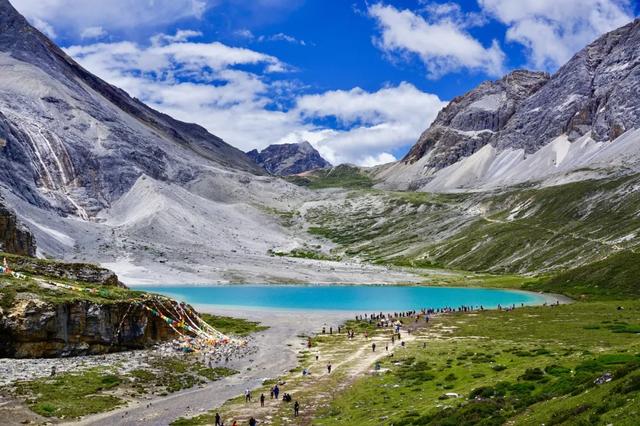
[366,298]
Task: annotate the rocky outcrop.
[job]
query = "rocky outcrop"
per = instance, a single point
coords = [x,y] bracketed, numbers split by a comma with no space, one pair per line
[83,272]
[34,328]
[14,237]
[289,159]
[470,121]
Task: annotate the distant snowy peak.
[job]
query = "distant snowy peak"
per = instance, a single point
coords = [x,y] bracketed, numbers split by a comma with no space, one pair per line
[289,159]
[591,100]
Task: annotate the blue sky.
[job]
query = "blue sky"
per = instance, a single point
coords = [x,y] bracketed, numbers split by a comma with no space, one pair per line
[359,79]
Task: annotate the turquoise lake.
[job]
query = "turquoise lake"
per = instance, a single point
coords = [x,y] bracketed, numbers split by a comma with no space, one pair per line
[366,298]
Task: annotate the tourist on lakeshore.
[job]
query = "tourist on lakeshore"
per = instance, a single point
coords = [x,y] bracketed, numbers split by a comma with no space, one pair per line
[329,368]
[271,392]
[262,398]
[296,409]
[276,391]
[386,347]
[218,420]
[373,347]
[253,422]
[247,395]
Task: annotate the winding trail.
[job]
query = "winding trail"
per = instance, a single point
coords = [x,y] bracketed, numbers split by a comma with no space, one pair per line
[574,235]
[356,358]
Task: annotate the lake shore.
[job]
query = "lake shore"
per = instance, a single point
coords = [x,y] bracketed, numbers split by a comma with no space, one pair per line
[262,269]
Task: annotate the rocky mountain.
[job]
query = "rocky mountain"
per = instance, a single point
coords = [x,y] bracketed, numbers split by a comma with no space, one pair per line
[72,142]
[289,159]
[532,127]
[98,176]
[470,121]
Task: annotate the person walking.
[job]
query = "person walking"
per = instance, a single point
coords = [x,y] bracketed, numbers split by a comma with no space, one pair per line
[247,395]
[276,391]
[373,347]
[329,368]
[296,409]
[218,420]
[262,398]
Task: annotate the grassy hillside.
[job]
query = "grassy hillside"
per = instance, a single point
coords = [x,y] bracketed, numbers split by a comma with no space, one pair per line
[524,230]
[616,276]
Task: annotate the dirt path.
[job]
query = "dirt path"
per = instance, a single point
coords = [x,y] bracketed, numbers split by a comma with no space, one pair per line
[350,360]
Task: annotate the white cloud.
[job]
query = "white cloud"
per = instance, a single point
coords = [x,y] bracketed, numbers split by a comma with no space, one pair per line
[374,122]
[453,12]
[282,37]
[381,158]
[44,27]
[93,32]
[167,60]
[76,15]
[244,33]
[179,37]
[553,30]
[443,45]
[200,82]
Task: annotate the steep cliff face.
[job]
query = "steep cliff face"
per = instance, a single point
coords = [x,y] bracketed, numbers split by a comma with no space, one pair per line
[289,159]
[60,309]
[34,328]
[14,237]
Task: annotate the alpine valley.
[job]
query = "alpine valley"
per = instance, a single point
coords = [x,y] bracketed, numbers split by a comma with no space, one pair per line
[531,181]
